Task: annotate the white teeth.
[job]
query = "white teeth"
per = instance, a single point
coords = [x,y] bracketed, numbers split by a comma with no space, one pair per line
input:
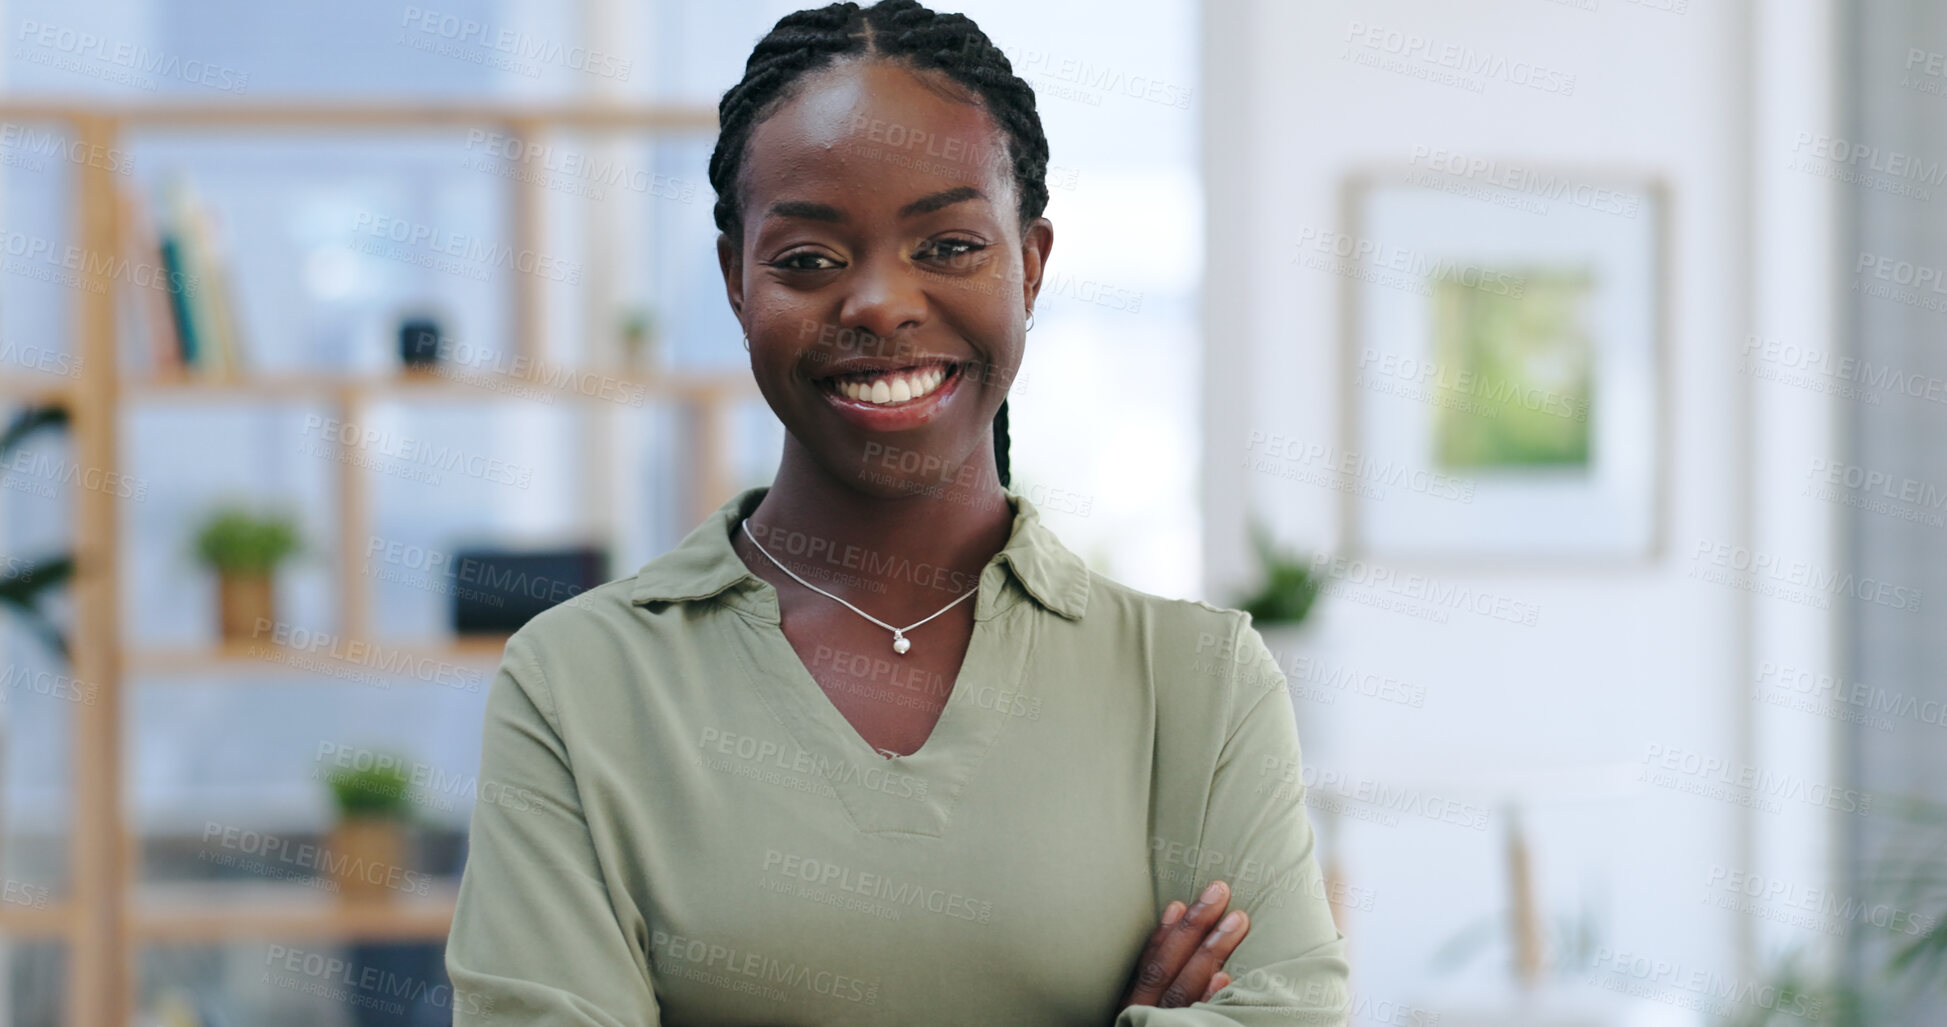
[901,387]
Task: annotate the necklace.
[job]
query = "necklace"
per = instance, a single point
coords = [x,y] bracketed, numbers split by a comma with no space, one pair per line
[900,643]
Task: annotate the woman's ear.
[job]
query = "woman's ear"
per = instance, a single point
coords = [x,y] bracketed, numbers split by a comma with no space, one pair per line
[1036,243]
[730,257]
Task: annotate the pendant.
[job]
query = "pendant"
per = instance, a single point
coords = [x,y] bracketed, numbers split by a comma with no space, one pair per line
[900,643]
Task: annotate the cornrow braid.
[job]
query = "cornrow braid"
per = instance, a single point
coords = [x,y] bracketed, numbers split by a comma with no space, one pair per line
[1000,441]
[805,41]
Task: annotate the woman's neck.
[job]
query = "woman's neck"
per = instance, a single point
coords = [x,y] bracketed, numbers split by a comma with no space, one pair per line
[925,548]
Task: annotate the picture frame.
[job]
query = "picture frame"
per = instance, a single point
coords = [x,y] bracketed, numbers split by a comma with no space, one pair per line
[1504,363]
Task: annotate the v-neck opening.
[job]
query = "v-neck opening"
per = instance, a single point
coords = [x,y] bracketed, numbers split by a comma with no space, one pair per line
[842,725]
[940,724]
[914,793]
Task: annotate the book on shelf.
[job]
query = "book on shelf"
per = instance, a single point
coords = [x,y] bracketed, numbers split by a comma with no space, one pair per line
[149,291]
[201,336]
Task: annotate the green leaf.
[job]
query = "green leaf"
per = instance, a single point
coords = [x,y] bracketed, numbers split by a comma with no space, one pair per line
[235,540]
[380,790]
[1289,588]
[29,421]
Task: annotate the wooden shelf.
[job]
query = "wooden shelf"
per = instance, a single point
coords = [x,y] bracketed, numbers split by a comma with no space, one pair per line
[211,912]
[39,390]
[308,116]
[619,388]
[107,910]
[601,386]
[350,655]
[216,911]
[50,921]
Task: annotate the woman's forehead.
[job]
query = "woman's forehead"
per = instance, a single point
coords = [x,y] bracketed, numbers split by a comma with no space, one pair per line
[870,119]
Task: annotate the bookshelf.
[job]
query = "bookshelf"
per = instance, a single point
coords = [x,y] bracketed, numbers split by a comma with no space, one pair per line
[106,914]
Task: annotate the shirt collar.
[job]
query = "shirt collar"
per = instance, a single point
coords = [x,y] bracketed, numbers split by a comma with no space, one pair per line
[704,565]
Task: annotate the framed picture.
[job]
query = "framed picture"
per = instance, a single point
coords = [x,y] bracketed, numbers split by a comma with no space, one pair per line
[1504,363]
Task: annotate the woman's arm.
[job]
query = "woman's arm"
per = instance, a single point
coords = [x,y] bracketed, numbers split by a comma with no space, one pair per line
[536,940]
[1291,968]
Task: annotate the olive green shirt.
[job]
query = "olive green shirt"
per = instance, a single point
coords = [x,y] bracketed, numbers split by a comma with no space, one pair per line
[675,825]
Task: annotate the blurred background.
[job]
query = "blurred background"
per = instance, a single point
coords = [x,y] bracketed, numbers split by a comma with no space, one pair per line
[1558,382]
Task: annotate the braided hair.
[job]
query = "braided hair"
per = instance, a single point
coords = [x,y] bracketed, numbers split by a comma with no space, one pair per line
[809,40]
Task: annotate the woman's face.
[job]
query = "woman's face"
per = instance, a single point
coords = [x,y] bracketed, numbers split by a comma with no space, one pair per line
[883,276]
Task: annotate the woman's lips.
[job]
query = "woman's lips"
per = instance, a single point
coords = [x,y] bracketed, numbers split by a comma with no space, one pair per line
[872,400]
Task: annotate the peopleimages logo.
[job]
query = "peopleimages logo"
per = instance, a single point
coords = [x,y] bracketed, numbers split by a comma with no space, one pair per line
[330,976]
[515,43]
[1088,81]
[553,165]
[1716,777]
[75,47]
[1437,595]
[426,244]
[1541,184]
[1876,489]
[883,887]
[1356,254]
[1350,466]
[1294,776]
[80,268]
[1795,580]
[1494,393]
[1811,907]
[1417,52]
[276,638]
[1709,991]
[1865,703]
[26,141]
[419,454]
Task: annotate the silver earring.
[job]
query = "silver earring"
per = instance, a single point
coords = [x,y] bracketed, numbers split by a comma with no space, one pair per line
[1030,326]
[746,342]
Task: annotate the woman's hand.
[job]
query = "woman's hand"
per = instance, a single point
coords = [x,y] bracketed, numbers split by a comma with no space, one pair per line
[1184,958]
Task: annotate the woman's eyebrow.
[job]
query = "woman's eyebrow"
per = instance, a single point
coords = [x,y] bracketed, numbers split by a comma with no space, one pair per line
[806,210]
[810,211]
[940,200]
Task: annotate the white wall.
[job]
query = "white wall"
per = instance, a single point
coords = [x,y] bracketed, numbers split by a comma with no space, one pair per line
[1710,99]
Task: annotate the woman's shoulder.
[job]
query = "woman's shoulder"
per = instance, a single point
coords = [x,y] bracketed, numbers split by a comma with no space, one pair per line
[1189,644]
[1127,604]
[589,659]
[1204,667]
[574,626]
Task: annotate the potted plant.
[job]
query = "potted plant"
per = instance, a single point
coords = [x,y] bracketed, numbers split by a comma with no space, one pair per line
[1284,598]
[1894,962]
[366,850]
[638,336]
[244,548]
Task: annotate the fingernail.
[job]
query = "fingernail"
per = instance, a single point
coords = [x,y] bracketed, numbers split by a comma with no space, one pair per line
[1214,892]
[1172,912]
[1231,921]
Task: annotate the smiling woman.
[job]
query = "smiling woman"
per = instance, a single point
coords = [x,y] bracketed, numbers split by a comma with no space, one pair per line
[746,803]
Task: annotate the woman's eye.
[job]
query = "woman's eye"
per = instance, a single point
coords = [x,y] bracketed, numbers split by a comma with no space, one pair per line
[950,249]
[805,260]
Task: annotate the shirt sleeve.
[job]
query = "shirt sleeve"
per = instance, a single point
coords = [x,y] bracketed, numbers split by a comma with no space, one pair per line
[536,940]
[1291,968]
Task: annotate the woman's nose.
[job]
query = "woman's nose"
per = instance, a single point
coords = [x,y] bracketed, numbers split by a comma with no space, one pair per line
[886,296]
